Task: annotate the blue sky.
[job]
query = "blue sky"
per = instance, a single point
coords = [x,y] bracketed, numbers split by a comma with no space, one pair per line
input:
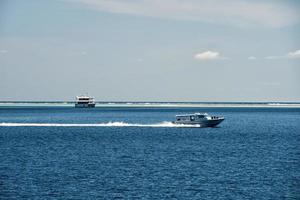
[150,50]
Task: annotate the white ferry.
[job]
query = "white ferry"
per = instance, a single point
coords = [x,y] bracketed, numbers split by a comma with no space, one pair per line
[84,101]
[202,119]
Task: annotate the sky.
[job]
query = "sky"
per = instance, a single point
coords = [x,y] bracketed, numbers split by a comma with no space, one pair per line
[150,50]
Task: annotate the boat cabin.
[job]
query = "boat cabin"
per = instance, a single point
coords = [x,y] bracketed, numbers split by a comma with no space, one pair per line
[191,117]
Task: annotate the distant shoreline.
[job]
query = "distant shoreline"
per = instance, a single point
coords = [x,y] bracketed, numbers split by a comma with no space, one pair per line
[155,104]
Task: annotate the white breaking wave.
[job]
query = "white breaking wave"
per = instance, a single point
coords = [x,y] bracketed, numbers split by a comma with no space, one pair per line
[109,124]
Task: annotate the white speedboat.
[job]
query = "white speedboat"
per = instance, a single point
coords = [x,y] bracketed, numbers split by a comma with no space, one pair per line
[202,119]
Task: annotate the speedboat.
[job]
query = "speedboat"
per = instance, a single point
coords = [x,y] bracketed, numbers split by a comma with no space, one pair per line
[202,119]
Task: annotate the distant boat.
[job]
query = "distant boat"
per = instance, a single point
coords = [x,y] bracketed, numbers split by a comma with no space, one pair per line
[84,101]
[202,119]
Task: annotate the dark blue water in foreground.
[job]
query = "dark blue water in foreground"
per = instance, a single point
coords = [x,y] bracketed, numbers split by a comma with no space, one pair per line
[254,154]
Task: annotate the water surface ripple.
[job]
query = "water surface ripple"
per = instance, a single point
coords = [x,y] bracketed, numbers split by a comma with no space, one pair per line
[253,154]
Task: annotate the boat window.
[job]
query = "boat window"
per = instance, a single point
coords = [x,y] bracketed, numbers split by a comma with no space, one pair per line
[200,116]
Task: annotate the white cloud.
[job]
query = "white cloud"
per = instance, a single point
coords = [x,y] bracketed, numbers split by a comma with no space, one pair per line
[271,57]
[139,59]
[252,58]
[233,12]
[209,55]
[290,55]
[270,83]
[83,53]
[295,54]
[3,51]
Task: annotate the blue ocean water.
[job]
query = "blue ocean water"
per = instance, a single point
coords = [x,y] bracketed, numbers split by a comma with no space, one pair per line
[134,153]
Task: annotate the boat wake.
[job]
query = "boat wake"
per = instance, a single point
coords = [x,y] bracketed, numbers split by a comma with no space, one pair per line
[109,124]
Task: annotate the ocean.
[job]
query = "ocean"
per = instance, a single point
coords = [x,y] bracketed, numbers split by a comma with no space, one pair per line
[135,152]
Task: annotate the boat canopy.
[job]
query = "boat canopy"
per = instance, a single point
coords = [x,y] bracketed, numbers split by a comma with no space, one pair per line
[194,114]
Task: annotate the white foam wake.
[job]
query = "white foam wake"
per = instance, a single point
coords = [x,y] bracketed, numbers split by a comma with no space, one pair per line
[109,124]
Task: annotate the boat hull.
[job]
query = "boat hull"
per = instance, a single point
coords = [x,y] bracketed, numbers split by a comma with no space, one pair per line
[85,105]
[204,123]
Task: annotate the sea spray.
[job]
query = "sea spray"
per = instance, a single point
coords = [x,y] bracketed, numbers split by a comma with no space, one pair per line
[109,124]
